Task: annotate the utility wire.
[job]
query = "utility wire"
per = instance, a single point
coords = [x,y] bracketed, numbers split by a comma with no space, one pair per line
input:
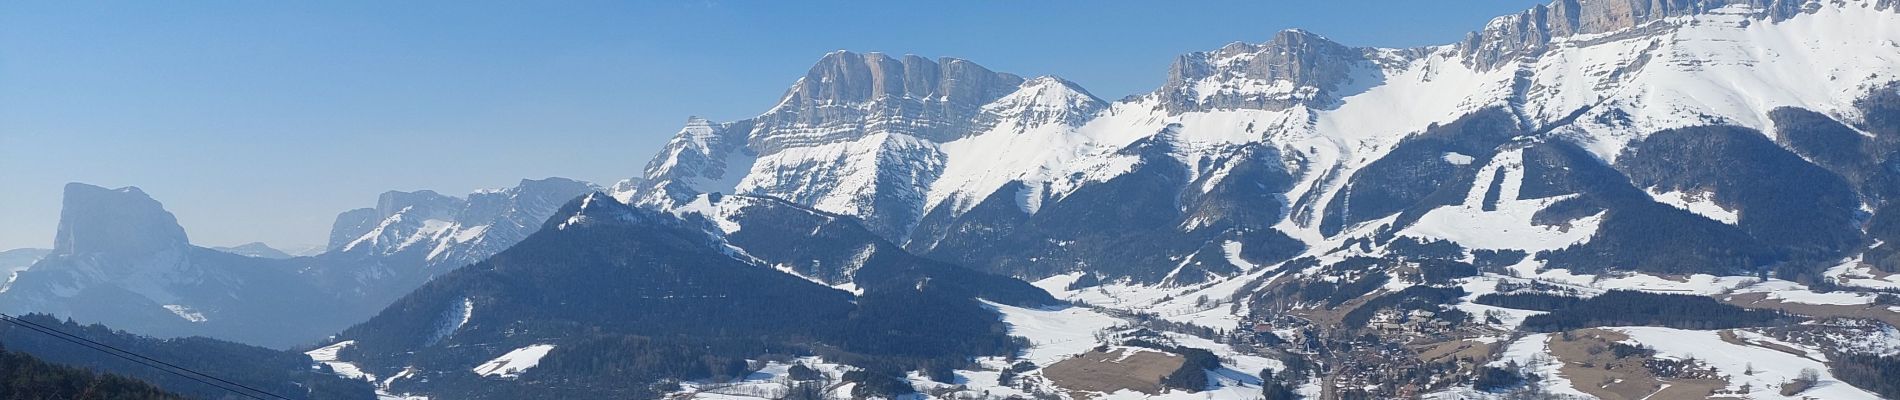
[137,358]
[130,356]
[141,359]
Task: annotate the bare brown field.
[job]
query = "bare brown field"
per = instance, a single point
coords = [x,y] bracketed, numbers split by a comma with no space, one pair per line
[1595,370]
[1109,371]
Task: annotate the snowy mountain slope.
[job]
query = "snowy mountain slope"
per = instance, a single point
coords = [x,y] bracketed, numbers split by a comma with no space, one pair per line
[1312,190]
[417,235]
[1598,73]
[647,294]
[16,260]
[703,157]
[837,251]
[871,119]
[455,230]
[1365,222]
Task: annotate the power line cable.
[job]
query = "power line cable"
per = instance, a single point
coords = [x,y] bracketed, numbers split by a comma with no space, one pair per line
[140,359]
[128,356]
[137,358]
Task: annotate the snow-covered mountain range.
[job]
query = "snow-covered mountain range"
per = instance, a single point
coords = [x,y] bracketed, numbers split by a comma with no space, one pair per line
[120,259]
[1617,199]
[1737,149]
[928,153]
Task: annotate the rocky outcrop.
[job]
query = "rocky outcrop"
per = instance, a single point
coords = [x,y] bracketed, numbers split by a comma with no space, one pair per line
[121,259]
[1531,32]
[704,157]
[1043,100]
[857,135]
[849,95]
[439,229]
[1295,68]
[121,221]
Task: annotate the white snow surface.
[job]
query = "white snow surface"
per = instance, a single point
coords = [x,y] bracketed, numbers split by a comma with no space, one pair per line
[186,313]
[1054,334]
[1719,67]
[516,361]
[770,382]
[1722,67]
[1854,273]
[1797,293]
[1698,203]
[453,319]
[1772,366]
[1533,352]
[846,177]
[327,356]
[1030,147]
[1508,225]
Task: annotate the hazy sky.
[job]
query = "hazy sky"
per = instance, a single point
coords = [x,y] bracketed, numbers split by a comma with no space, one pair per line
[260,120]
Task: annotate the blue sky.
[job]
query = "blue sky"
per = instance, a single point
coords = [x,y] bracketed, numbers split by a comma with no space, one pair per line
[259,121]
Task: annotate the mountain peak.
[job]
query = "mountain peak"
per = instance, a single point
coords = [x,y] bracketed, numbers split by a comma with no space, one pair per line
[454,230]
[1295,67]
[94,219]
[848,77]
[254,249]
[1529,32]
[844,88]
[544,183]
[392,202]
[592,208]
[1047,99]
[1296,34]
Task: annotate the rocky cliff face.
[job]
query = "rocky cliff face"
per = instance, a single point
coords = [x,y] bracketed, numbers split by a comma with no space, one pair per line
[121,221]
[121,259]
[704,157]
[1295,68]
[1530,33]
[857,135]
[849,96]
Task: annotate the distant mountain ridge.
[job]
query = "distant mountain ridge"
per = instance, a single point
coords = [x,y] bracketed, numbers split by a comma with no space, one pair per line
[121,259]
[254,249]
[633,285]
[1481,219]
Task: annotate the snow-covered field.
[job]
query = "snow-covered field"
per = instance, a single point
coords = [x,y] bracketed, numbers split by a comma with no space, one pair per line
[1772,367]
[515,362]
[1796,293]
[1755,364]
[327,356]
[770,382]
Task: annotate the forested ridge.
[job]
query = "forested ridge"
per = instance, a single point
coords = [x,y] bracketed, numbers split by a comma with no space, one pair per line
[24,377]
